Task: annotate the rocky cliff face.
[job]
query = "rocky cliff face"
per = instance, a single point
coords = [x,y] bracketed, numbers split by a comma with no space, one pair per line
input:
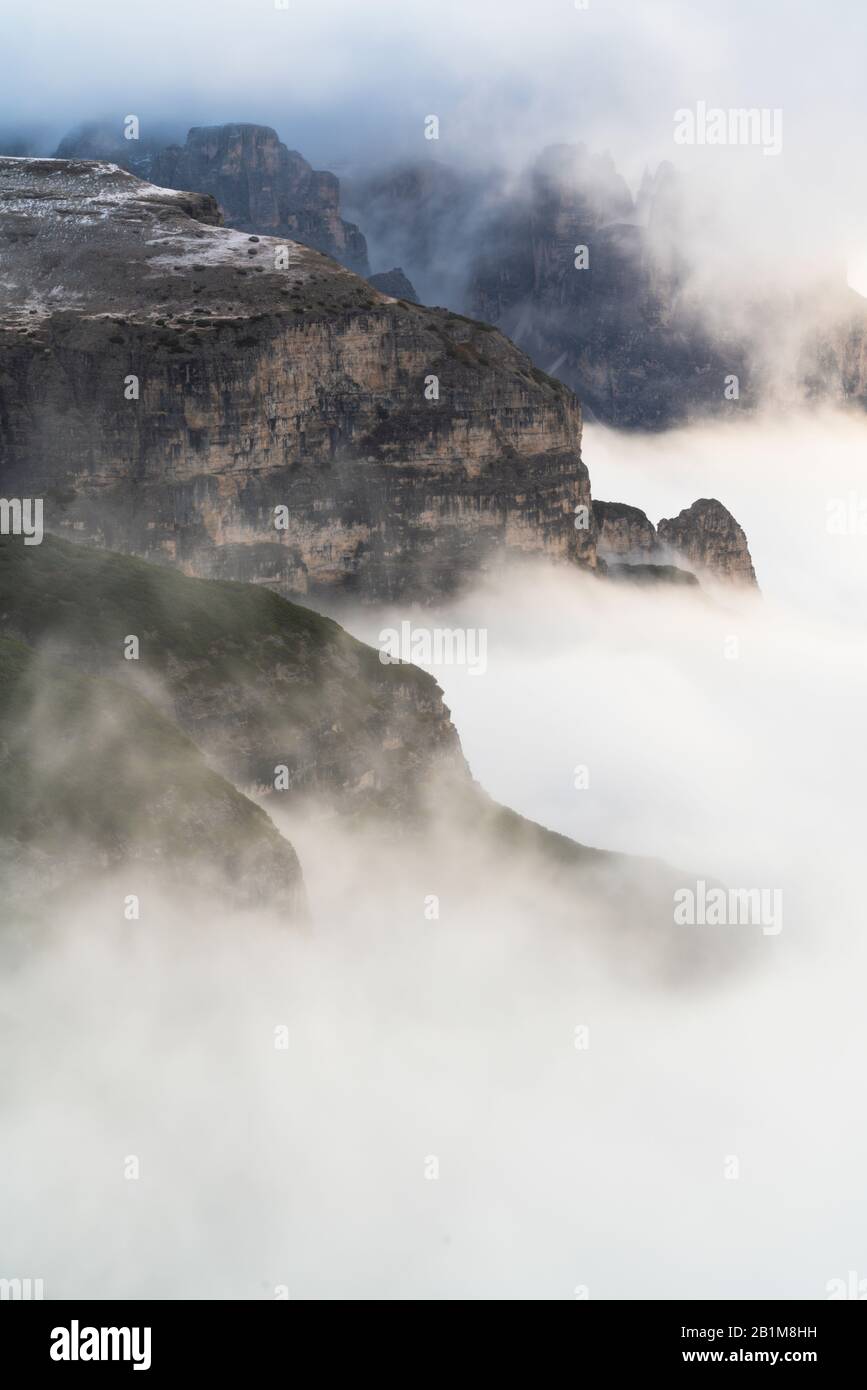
[704,537]
[247,409]
[618,331]
[707,535]
[631,330]
[632,333]
[261,186]
[624,532]
[590,284]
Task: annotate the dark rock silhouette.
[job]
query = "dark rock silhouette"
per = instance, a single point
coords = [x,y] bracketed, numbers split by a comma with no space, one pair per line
[261,186]
[395,284]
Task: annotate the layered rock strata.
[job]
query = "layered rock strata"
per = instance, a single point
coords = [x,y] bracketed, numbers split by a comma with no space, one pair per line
[245,408]
[705,538]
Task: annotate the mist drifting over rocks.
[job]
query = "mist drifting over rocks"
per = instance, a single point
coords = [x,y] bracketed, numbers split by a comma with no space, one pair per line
[578,1111]
[490,928]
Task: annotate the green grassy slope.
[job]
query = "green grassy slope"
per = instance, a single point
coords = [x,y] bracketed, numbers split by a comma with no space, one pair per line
[257,681]
[93,778]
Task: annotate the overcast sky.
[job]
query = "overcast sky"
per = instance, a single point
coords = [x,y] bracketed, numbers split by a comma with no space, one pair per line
[496,70]
[350,83]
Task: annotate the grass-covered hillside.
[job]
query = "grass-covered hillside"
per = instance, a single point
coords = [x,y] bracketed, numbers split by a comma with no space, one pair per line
[258,682]
[94,779]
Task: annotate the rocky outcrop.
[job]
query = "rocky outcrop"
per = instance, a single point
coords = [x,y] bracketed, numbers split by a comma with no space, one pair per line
[624,532]
[704,537]
[248,409]
[707,535]
[261,186]
[394,283]
[603,291]
[590,284]
[619,332]
[634,333]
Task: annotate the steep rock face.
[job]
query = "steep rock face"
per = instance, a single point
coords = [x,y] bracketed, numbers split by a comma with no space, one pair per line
[179,390]
[708,536]
[589,284]
[620,333]
[633,334]
[705,537]
[263,187]
[624,532]
[639,334]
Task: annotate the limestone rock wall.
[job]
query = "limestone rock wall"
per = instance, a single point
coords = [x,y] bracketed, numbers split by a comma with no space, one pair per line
[168,384]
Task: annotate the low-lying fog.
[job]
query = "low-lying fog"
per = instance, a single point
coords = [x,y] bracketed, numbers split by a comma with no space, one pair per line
[714,729]
[431,1128]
